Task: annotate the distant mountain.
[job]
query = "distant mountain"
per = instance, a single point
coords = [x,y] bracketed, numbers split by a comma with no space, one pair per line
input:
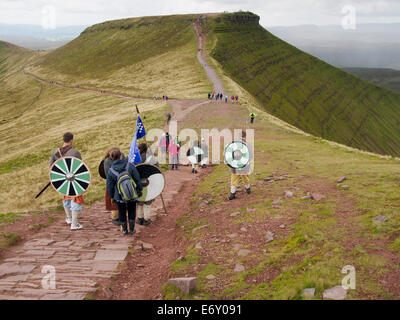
[35,37]
[369,46]
[386,78]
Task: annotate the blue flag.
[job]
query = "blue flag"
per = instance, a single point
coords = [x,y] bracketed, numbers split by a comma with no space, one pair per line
[134,154]
[141,132]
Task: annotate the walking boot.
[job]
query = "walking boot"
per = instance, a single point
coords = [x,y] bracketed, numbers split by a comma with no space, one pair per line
[146,222]
[75,225]
[232,196]
[68,217]
[140,221]
[124,228]
[132,230]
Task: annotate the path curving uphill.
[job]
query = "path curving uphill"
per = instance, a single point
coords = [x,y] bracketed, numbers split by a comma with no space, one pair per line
[79,261]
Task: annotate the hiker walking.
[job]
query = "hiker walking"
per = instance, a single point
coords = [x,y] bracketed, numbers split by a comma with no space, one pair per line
[241,175]
[124,187]
[144,208]
[167,139]
[237,98]
[226,99]
[209,96]
[204,157]
[163,143]
[111,206]
[252,117]
[168,118]
[233,99]
[72,205]
[173,150]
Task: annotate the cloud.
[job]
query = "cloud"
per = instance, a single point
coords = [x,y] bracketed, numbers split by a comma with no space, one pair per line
[272,12]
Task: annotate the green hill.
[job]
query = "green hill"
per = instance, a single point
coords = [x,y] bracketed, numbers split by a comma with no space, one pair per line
[303,90]
[386,78]
[17,92]
[146,56]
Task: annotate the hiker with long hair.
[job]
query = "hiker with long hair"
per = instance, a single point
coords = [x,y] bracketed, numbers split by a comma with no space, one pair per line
[144,208]
[124,187]
[72,205]
[110,206]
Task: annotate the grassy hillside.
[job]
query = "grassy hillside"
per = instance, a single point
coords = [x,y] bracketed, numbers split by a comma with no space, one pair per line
[386,78]
[33,120]
[17,93]
[146,56]
[312,240]
[301,89]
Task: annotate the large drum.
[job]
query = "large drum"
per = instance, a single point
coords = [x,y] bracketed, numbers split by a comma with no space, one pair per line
[153,181]
[237,155]
[70,176]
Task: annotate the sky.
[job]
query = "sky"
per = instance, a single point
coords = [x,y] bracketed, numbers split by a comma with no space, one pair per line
[58,13]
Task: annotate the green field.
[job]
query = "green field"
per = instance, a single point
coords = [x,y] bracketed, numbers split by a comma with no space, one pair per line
[301,89]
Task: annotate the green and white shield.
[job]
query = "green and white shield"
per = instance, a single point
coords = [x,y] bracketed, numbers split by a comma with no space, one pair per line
[237,155]
[70,176]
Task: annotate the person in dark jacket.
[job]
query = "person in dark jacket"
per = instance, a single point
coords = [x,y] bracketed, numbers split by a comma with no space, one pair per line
[111,206]
[119,166]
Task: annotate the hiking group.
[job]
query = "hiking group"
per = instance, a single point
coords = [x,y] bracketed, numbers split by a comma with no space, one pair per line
[221,96]
[123,181]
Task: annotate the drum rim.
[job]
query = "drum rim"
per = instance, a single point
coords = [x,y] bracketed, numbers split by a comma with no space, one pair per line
[69,157]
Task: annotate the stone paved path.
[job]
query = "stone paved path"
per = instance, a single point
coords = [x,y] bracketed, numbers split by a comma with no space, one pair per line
[80,258]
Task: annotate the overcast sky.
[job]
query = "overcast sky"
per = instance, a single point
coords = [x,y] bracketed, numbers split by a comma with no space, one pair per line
[272,12]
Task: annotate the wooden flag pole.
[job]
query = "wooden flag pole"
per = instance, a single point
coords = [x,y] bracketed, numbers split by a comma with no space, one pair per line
[162,198]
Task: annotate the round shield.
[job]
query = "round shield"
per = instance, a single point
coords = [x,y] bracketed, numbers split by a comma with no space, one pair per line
[102,173]
[70,176]
[194,153]
[153,181]
[237,155]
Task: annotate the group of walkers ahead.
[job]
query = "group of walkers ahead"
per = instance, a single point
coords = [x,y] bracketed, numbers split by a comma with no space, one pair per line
[221,96]
[123,187]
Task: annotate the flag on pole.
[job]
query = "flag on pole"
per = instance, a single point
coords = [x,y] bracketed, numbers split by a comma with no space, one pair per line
[141,132]
[134,154]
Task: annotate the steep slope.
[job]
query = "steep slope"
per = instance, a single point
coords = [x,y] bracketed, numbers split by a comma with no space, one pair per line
[17,92]
[302,90]
[386,78]
[146,56]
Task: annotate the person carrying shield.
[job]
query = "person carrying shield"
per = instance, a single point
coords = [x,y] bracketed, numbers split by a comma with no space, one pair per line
[144,208]
[204,156]
[241,175]
[72,205]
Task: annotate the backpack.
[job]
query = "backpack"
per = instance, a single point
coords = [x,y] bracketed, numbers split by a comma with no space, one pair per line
[126,186]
